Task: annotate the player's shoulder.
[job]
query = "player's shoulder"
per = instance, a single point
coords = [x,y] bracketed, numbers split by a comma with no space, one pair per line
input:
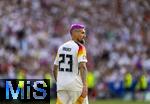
[80,46]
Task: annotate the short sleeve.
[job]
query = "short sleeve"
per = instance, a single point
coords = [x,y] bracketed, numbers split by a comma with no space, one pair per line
[82,54]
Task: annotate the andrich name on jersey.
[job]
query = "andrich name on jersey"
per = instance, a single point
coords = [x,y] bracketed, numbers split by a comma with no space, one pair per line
[66,49]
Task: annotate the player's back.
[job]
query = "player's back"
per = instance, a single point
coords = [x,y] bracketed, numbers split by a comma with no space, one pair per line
[68,72]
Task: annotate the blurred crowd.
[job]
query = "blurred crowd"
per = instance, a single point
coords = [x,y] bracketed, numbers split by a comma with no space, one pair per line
[118,37]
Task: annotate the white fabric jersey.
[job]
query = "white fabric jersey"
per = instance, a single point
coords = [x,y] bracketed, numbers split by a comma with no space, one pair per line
[68,56]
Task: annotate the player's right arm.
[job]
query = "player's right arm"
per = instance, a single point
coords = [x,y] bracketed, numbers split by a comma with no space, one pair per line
[83,72]
[82,60]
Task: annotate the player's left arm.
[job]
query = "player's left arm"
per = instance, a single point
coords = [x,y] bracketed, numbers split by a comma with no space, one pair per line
[55,70]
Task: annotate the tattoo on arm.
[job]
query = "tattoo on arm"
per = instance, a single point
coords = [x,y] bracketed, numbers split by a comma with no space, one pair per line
[83,72]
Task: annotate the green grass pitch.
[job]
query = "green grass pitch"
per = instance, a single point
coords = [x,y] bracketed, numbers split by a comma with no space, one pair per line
[110,101]
[113,101]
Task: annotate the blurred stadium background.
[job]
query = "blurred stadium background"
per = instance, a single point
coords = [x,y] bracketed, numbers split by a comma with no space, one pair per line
[118,43]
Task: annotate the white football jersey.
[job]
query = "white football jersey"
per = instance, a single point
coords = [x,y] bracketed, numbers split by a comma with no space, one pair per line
[68,56]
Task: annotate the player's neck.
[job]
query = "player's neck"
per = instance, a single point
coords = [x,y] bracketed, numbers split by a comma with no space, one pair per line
[75,40]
